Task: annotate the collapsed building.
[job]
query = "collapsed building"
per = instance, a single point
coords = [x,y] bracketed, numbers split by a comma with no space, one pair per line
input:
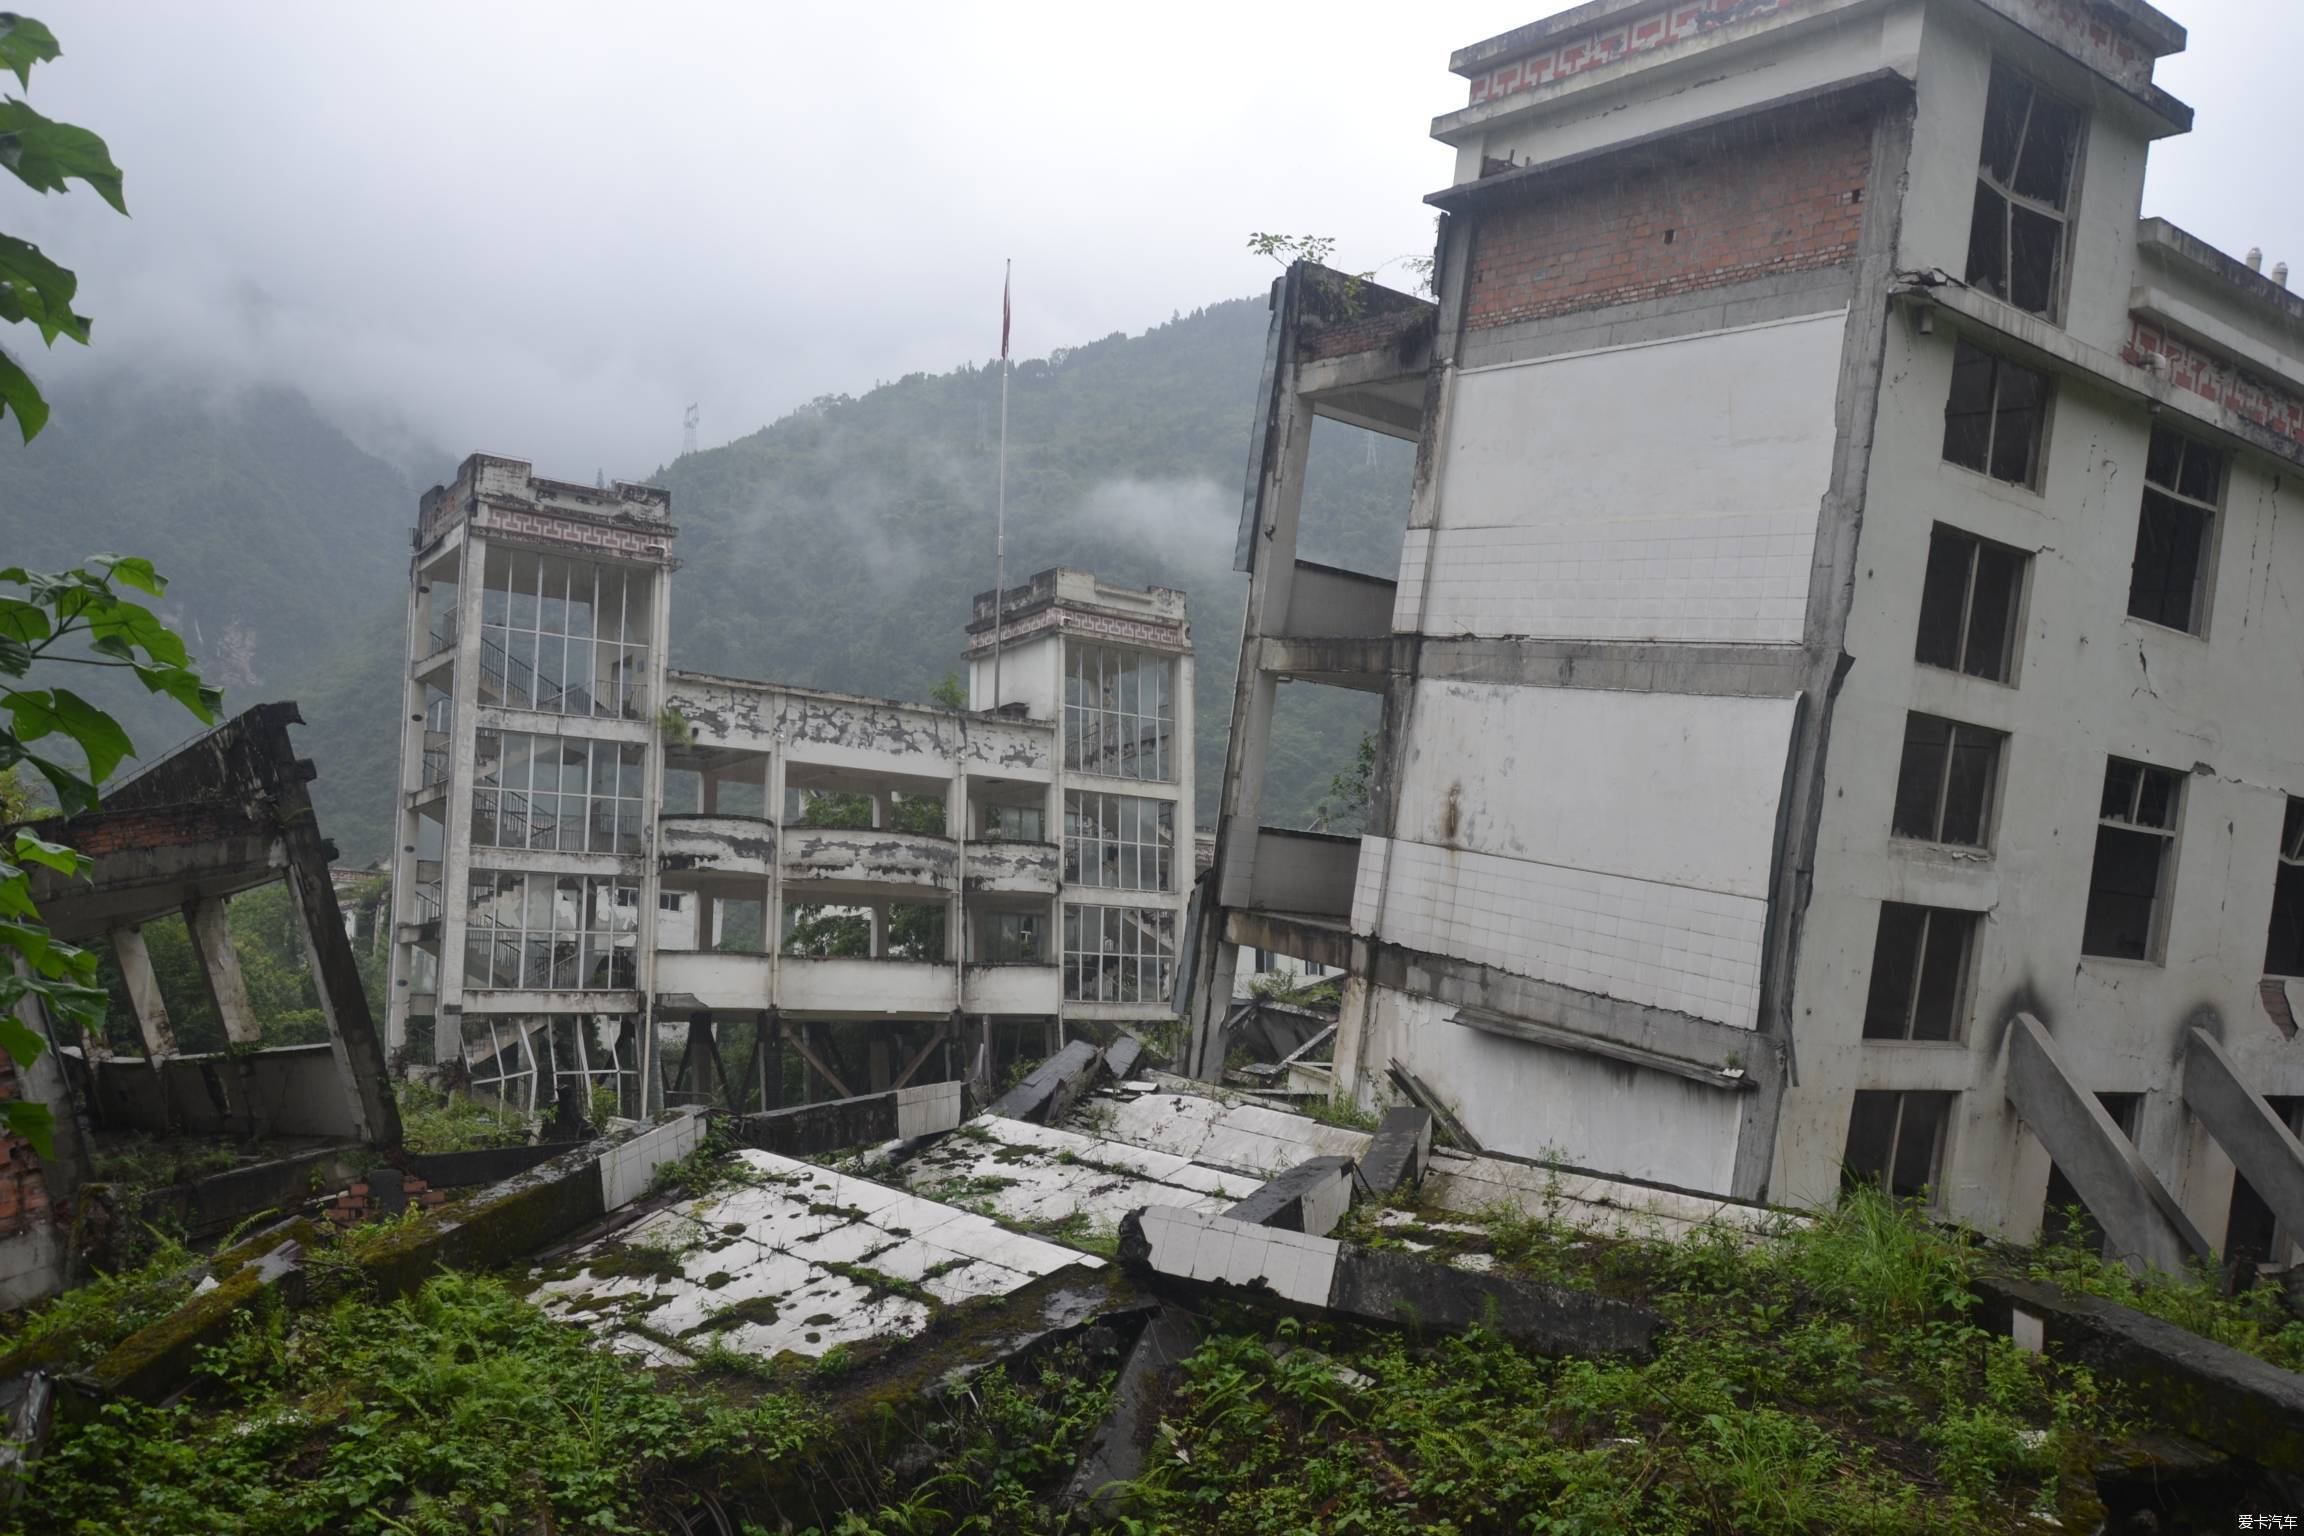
[225,813]
[1839,693]
[596,848]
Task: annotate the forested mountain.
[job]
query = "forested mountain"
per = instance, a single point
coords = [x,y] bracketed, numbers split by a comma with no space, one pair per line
[838,547]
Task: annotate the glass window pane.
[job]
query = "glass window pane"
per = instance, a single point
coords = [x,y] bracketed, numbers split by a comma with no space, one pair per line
[1895,957]
[2156,799]
[1968,787]
[1943,596]
[2123,889]
[1920,777]
[2020,415]
[1871,1133]
[1988,242]
[2006,105]
[1991,647]
[1943,969]
[1968,409]
[2044,169]
[1920,1129]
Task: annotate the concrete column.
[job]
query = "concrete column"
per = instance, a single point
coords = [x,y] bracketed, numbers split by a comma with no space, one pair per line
[2262,1148]
[708,793]
[352,1033]
[2142,1222]
[144,993]
[879,911]
[211,931]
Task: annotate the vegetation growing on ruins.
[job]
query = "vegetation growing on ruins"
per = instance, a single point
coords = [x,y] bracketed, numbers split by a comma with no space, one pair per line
[1830,1379]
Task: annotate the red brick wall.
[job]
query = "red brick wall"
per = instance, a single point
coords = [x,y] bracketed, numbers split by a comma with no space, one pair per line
[23,1187]
[1785,199]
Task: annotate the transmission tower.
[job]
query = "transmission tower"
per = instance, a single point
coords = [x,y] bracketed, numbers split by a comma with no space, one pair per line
[688,429]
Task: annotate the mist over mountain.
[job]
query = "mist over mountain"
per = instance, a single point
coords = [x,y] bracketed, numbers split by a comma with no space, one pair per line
[838,547]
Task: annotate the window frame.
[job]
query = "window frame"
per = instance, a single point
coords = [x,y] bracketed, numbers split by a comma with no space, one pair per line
[1987,815]
[2211,513]
[2011,643]
[1964,987]
[1104,705]
[1118,965]
[1939,1148]
[2037,453]
[2291,858]
[2156,940]
[1090,849]
[2061,212]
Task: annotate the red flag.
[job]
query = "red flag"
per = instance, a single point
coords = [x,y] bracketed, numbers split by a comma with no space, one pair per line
[1004,314]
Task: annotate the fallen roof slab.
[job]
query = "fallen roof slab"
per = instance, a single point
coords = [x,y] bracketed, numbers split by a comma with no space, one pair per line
[1043,1175]
[1220,1132]
[795,1259]
[1590,1202]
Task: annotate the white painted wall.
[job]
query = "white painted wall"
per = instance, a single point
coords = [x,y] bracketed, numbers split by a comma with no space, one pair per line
[1664,491]
[1531,1101]
[1614,842]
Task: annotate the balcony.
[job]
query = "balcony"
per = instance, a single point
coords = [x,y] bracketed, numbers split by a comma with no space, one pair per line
[716,844]
[1025,989]
[714,980]
[868,856]
[1024,869]
[865,988]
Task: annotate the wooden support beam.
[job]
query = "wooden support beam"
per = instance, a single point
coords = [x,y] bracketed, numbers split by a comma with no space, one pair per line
[802,1043]
[936,1038]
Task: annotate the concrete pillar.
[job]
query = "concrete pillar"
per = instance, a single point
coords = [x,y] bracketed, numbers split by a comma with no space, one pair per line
[708,793]
[352,1033]
[879,911]
[878,1069]
[2143,1225]
[2262,1148]
[144,993]
[211,929]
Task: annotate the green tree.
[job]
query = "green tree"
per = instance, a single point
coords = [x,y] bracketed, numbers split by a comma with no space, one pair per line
[951,693]
[69,618]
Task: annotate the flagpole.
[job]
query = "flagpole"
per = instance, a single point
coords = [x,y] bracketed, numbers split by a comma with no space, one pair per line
[1000,517]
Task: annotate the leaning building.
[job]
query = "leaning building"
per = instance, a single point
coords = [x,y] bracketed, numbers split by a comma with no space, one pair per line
[598,851]
[1841,709]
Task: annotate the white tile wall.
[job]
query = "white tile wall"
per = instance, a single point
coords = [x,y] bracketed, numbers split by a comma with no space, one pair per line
[1219,1250]
[925,1108]
[628,1167]
[1593,573]
[1663,491]
[1668,946]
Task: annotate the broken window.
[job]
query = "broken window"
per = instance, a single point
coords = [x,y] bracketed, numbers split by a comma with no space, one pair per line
[558,792]
[1920,967]
[2023,186]
[1119,713]
[541,932]
[2135,836]
[1945,787]
[1118,842]
[916,930]
[2284,949]
[1968,605]
[1118,954]
[2183,481]
[1995,415]
[1896,1140]
[568,637]
[1015,938]
[1015,824]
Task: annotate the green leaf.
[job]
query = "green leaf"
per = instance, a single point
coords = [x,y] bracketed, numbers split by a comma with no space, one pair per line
[45,154]
[33,849]
[185,688]
[24,43]
[33,714]
[36,1123]
[36,289]
[98,733]
[134,570]
[19,1041]
[73,793]
[25,623]
[19,394]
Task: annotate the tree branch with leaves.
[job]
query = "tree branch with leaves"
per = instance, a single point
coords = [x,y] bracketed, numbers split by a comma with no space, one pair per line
[75,618]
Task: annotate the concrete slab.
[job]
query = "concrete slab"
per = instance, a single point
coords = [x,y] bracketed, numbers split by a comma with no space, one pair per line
[1226,1134]
[1310,1197]
[1456,1181]
[1039,1175]
[798,1259]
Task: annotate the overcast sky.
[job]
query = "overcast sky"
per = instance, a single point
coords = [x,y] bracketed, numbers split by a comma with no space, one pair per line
[542,229]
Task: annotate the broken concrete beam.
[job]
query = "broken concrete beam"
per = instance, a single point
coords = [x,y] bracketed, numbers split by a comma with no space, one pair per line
[811,1130]
[27,1410]
[1395,1159]
[1116,1449]
[485,1165]
[1054,1086]
[1310,1197]
[1121,1056]
[155,1360]
[2198,1387]
[1395,1290]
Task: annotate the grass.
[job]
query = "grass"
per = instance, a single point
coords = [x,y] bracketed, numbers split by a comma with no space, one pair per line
[460,1409]
[435,1120]
[2256,1320]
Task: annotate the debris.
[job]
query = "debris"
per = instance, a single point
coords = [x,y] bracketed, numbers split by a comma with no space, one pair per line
[1310,1197]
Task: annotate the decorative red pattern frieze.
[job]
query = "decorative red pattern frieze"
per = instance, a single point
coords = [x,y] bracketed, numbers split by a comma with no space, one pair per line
[1614,40]
[623,541]
[2217,380]
[2070,26]
[1134,631]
